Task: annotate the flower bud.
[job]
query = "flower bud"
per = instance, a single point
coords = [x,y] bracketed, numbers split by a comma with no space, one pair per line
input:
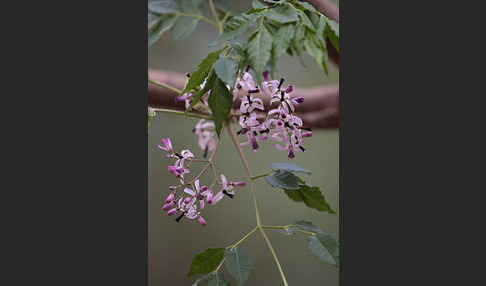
[170,198]
[172,211]
[307,134]
[187,200]
[299,99]
[172,188]
[201,221]
[238,184]
[167,206]
[289,89]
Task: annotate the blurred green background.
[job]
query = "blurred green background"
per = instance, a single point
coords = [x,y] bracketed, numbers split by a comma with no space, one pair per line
[172,245]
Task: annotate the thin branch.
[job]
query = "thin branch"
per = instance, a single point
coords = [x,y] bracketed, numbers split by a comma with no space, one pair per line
[188,114]
[215,15]
[244,238]
[161,84]
[261,176]
[252,187]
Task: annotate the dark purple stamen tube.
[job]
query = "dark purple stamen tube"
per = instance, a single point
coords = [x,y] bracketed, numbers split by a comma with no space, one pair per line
[229,195]
[254,91]
[302,148]
[280,83]
[265,75]
[247,68]
[254,143]
[188,74]
[180,217]
[291,154]
[299,99]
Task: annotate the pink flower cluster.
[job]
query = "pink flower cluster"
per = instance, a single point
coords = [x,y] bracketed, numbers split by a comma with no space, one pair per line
[280,123]
[193,198]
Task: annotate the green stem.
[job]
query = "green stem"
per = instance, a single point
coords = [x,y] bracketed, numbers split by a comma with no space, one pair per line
[244,238]
[199,17]
[215,15]
[262,175]
[219,266]
[188,114]
[259,224]
[161,84]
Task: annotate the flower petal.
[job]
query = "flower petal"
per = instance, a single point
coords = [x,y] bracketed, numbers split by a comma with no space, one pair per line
[189,191]
[217,197]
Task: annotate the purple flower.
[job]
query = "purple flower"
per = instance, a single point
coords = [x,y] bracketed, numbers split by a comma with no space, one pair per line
[166,145]
[172,211]
[168,206]
[205,132]
[249,104]
[244,84]
[170,198]
[201,221]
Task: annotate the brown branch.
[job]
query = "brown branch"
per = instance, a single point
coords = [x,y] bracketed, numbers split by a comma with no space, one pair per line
[320,108]
[326,7]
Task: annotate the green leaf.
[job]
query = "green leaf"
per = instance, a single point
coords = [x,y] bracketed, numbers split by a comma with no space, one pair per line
[258,5]
[306,21]
[255,11]
[308,226]
[162,26]
[207,261]
[221,4]
[199,75]
[152,20]
[191,6]
[332,32]
[319,53]
[197,96]
[283,179]
[220,102]
[235,27]
[163,7]
[183,28]
[226,70]
[306,6]
[325,247]
[282,40]
[239,264]
[259,48]
[216,280]
[301,225]
[311,196]
[298,40]
[321,25]
[289,167]
[238,49]
[284,13]
[333,26]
